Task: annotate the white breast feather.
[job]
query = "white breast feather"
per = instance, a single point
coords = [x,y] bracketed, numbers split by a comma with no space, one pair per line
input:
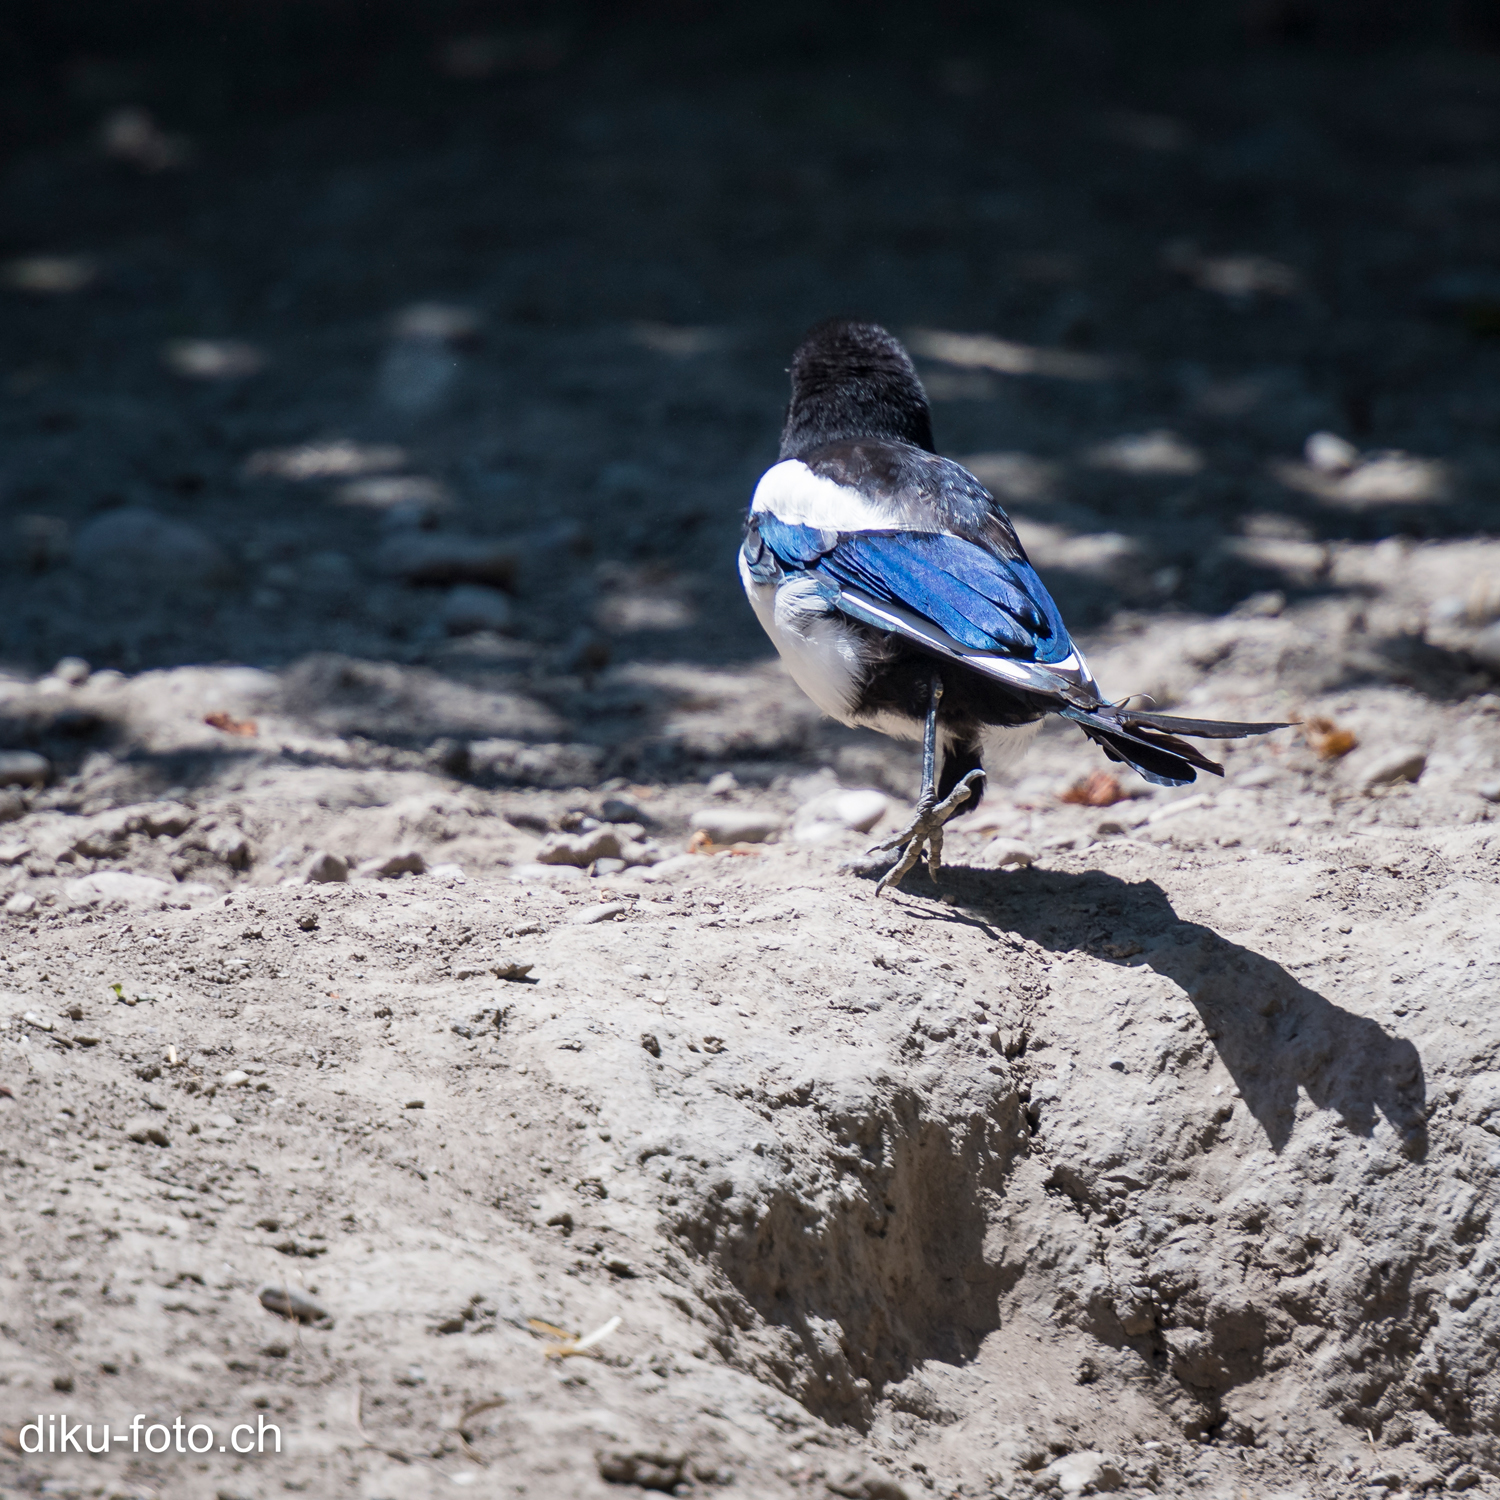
[820,650]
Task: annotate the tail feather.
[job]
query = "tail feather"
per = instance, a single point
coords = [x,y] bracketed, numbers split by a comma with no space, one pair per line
[1143,741]
[1202,729]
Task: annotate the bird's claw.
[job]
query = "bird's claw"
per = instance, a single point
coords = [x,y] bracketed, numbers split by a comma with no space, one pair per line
[926,831]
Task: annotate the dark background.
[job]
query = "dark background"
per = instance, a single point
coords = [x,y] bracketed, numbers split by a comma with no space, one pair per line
[640,209]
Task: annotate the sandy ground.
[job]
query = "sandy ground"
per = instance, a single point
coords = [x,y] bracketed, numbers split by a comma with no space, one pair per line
[374,458]
[1173,1145]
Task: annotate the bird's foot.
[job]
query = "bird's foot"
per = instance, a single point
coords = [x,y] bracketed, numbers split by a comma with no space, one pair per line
[926,831]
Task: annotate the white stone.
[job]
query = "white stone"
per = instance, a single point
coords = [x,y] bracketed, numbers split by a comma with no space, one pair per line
[737,825]
[536,874]
[1076,1472]
[1003,853]
[837,812]
[1329,453]
[1405,763]
[116,888]
[23,768]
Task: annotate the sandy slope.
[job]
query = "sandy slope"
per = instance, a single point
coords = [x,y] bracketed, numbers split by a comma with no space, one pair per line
[1175,1145]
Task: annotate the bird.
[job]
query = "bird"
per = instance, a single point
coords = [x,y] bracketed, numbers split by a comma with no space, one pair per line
[900,598]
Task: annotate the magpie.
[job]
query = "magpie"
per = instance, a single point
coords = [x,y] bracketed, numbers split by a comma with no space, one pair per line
[900,598]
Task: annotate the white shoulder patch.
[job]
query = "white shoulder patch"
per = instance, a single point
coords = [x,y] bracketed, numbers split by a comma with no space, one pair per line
[791,492]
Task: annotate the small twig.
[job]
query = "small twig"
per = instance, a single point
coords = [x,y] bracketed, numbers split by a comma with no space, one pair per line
[478,1409]
[390,1451]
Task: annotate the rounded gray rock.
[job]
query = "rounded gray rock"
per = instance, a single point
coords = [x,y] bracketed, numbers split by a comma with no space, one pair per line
[1405,763]
[470,607]
[1486,648]
[23,768]
[321,868]
[142,547]
[736,825]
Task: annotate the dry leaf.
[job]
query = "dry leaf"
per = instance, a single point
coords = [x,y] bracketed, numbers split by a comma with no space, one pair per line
[228,724]
[1328,740]
[701,843]
[569,1344]
[1098,789]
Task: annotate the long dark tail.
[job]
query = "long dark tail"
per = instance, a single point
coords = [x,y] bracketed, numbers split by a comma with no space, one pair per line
[1148,742]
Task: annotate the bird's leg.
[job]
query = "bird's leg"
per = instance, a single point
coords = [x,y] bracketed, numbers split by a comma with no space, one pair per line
[926,827]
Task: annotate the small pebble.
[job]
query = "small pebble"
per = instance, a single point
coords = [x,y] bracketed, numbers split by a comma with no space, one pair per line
[837,812]
[23,768]
[651,1469]
[289,1302]
[582,849]
[308,921]
[415,1104]
[235,1079]
[1404,764]
[618,810]
[140,548]
[389,866]
[606,911]
[1003,854]
[736,825]
[537,874]
[1329,453]
[320,867]
[471,607]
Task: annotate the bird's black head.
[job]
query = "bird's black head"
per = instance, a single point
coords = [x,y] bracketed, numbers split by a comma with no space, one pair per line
[853,380]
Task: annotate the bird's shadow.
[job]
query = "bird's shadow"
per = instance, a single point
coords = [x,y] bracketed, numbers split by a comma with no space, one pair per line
[1273,1033]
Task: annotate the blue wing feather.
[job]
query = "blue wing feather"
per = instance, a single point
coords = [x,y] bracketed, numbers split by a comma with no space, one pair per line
[987,603]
